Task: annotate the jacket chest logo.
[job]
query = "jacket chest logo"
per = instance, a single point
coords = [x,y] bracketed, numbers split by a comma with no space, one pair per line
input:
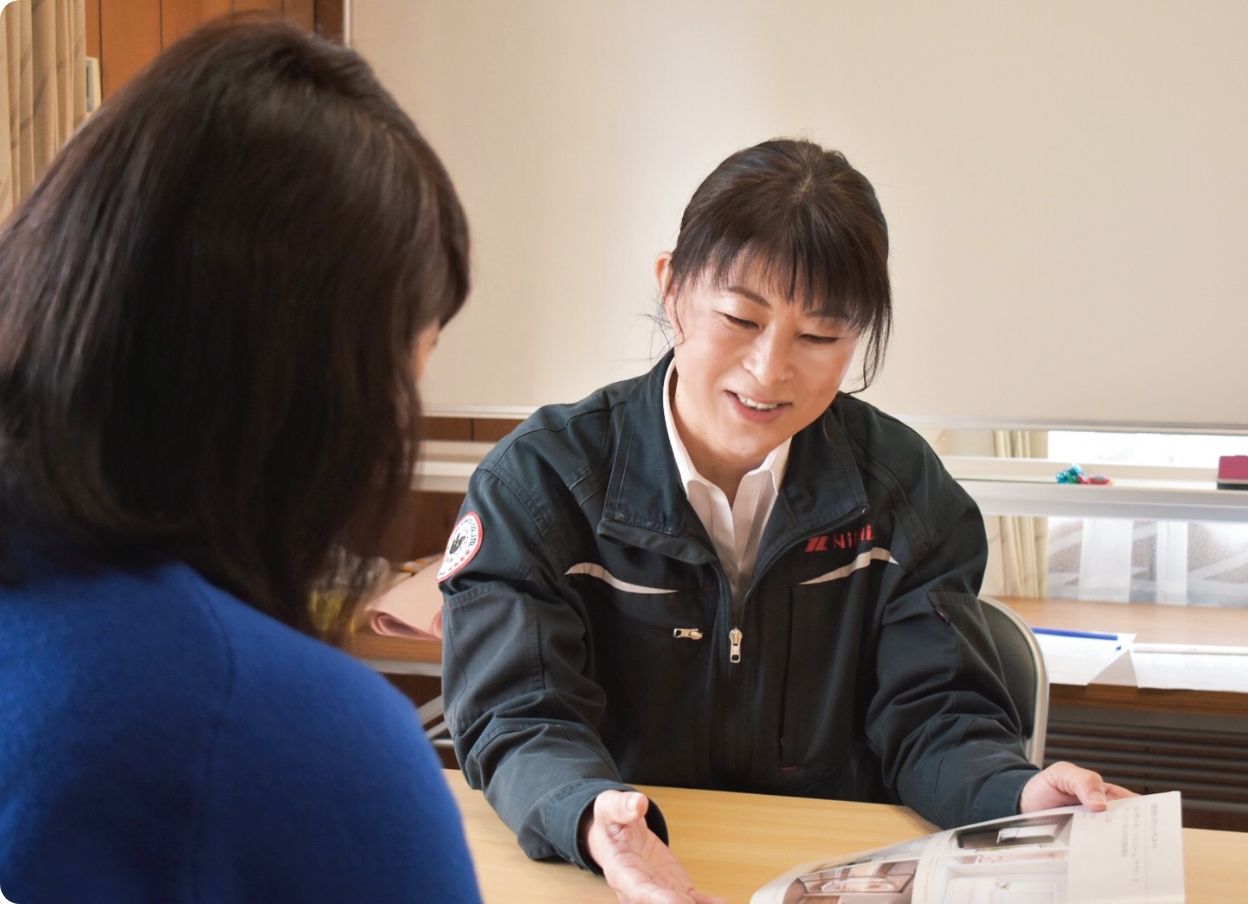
[846,539]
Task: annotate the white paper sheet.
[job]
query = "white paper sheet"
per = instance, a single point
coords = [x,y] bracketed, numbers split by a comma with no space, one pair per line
[1199,668]
[1132,853]
[1075,657]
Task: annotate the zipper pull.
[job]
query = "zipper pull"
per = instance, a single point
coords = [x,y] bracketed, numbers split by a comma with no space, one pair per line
[734,651]
[687,633]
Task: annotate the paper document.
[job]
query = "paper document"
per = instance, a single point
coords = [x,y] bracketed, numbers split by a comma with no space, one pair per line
[1077,657]
[1175,666]
[1132,853]
[411,605]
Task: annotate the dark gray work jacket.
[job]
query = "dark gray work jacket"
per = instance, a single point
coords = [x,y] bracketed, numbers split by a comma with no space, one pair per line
[588,636]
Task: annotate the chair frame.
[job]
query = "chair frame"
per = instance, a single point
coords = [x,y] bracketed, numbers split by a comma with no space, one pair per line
[1033,746]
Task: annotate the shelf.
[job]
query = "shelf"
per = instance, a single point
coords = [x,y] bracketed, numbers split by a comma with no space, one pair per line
[1000,486]
[445,465]
[1006,486]
[1153,503]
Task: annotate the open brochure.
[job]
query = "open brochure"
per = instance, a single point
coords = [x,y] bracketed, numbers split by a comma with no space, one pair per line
[1132,852]
[411,604]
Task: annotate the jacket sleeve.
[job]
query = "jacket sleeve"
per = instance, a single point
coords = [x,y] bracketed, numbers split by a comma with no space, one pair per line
[520,703]
[941,719]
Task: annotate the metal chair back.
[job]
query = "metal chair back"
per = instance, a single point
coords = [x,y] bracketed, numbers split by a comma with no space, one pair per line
[1025,675]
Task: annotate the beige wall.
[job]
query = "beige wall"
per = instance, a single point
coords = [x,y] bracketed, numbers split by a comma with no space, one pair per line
[1065,182]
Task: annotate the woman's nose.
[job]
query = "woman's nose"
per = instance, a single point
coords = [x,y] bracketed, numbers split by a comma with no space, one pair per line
[769,360]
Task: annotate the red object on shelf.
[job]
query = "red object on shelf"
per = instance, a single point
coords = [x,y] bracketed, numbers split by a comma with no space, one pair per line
[1233,472]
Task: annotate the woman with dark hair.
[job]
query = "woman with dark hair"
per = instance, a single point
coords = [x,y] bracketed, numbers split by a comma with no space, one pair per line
[729,573]
[213,311]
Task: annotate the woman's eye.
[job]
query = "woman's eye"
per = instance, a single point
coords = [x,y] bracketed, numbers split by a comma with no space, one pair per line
[821,340]
[739,321]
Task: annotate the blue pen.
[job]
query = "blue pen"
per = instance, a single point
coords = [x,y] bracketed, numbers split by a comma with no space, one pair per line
[1062,632]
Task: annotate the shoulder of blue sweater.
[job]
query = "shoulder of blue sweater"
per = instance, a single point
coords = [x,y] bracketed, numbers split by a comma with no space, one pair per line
[274,662]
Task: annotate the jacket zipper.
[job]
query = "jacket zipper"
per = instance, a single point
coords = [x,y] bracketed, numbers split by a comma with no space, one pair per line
[687,633]
[735,636]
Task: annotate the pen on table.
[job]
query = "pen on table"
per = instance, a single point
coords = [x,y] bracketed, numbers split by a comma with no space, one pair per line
[1063,632]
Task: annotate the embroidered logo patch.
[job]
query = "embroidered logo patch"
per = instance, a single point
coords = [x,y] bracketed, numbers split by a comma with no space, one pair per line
[463,545]
[848,539]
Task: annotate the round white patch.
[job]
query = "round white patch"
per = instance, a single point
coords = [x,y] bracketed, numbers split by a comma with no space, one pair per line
[463,545]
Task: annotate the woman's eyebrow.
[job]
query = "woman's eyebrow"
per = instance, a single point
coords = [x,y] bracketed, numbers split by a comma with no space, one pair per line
[827,321]
[749,294]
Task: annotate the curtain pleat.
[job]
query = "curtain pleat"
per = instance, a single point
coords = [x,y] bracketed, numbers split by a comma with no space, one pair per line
[43,86]
[1022,543]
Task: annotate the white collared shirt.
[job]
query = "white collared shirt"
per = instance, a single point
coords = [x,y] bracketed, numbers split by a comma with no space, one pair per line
[737,529]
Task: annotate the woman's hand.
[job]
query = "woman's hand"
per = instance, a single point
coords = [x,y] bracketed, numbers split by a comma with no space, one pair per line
[635,861]
[1064,784]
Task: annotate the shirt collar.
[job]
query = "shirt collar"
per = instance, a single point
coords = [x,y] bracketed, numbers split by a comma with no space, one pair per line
[774,464]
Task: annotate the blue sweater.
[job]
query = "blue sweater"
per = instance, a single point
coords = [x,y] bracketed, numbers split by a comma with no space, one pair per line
[162,741]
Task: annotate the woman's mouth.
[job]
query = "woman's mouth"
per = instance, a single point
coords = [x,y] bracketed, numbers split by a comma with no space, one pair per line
[755,404]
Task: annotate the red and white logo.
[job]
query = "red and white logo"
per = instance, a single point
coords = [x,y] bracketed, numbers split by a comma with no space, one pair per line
[463,545]
[846,539]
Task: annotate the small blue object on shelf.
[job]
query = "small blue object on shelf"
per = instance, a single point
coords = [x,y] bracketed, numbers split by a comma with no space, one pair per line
[1075,474]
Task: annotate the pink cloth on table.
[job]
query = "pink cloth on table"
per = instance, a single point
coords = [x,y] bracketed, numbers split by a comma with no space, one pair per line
[412,607]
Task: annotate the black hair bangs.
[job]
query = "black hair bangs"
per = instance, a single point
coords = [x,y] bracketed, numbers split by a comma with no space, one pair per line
[803,221]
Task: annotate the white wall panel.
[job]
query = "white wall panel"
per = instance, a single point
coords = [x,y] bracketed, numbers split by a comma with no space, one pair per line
[1066,184]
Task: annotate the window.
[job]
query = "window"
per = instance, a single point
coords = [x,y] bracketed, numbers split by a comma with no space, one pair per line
[1175,562]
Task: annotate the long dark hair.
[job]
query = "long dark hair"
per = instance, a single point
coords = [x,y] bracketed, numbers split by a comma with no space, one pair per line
[207,314]
[810,220]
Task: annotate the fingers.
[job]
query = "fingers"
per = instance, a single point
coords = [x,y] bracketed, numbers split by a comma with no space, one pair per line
[613,809]
[651,894]
[637,865]
[1085,786]
[1063,784]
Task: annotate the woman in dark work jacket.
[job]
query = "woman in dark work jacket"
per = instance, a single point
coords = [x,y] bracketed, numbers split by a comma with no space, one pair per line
[728,573]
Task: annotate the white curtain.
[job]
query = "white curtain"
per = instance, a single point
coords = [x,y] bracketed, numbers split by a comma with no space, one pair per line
[1018,547]
[1173,562]
[1021,544]
[43,89]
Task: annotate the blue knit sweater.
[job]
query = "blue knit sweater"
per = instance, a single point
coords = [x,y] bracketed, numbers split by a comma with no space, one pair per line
[162,741]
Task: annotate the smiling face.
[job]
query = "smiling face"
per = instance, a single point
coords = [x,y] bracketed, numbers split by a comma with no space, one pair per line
[752,369]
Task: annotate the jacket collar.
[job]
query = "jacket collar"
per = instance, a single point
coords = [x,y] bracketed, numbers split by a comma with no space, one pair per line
[645,505]
[822,485]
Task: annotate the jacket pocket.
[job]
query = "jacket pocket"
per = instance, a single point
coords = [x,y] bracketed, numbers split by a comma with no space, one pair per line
[650,655]
[650,607]
[821,681]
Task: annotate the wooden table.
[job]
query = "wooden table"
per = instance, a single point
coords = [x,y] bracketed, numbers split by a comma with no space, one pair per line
[396,655]
[733,844]
[1150,624]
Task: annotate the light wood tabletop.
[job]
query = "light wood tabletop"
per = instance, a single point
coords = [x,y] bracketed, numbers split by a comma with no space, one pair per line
[733,844]
[379,647]
[1150,623]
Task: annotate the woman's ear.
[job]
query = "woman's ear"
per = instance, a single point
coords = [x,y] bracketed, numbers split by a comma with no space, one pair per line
[663,273]
[663,279]
[422,348]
